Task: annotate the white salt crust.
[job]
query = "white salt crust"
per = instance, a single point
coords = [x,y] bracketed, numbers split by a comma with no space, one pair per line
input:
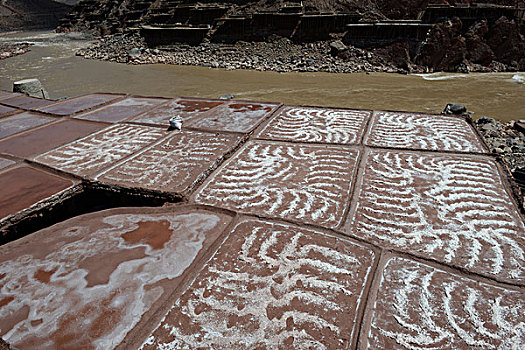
[317,125]
[420,307]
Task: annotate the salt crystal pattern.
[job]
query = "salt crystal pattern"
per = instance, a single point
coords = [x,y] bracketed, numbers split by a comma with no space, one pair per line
[422,307]
[93,153]
[174,164]
[450,208]
[303,182]
[271,286]
[307,124]
[420,131]
[89,283]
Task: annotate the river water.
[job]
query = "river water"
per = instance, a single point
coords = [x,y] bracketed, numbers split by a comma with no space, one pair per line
[52,59]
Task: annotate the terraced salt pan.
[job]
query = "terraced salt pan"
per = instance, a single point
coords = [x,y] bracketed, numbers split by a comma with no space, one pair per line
[174,164]
[420,131]
[453,209]
[78,104]
[88,156]
[24,186]
[234,116]
[85,283]
[308,124]
[124,109]
[6,94]
[21,122]
[187,109]
[47,137]
[271,286]
[302,182]
[4,110]
[422,307]
[26,102]
[4,163]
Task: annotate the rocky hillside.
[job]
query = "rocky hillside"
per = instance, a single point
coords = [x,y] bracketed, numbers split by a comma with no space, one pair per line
[120,11]
[482,38]
[31,14]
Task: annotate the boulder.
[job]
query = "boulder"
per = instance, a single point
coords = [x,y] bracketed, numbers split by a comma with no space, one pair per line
[31,87]
[336,47]
[452,108]
[485,120]
[135,52]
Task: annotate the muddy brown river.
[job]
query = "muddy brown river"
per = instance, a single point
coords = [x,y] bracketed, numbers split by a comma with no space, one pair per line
[52,59]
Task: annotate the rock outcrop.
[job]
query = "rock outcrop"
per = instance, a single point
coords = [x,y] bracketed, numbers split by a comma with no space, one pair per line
[31,14]
[450,47]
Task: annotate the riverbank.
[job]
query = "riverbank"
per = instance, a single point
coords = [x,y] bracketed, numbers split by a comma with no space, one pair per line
[280,55]
[277,54]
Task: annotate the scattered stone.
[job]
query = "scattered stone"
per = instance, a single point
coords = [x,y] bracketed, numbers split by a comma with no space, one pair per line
[31,87]
[337,47]
[485,120]
[452,108]
[134,52]
[277,54]
[504,139]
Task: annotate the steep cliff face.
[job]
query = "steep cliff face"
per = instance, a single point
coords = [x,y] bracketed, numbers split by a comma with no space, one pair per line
[31,14]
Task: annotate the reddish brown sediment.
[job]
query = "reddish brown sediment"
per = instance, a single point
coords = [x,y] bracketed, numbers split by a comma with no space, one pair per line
[234,116]
[24,186]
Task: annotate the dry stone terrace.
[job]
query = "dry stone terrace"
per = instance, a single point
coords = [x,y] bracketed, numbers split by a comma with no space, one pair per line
[284,227]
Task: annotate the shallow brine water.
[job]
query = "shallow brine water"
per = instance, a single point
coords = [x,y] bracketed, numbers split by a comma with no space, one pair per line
[52,59]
